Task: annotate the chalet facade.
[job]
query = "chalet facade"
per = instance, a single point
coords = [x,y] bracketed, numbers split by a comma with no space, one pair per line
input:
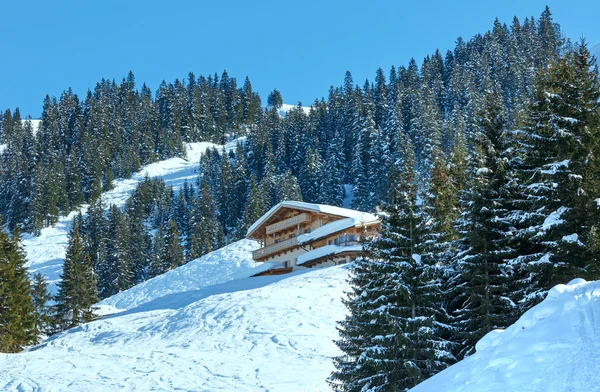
[297,235]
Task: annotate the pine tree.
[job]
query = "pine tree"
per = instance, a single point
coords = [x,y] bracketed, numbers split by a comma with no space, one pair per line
[206,233]
[77,287]
[114,271]
[558,225]
[40,295]
[482,282]
[17,313]
[391,339]
[172,253]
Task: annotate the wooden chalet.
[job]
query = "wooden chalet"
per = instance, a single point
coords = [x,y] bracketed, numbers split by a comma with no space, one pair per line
[298,235]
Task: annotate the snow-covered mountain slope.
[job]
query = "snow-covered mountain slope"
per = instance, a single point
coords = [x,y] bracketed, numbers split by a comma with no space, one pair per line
[270,333]
[554,346]
[46,253]
[231,262]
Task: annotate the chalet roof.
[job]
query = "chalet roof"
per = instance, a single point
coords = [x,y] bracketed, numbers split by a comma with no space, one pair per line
[323,208]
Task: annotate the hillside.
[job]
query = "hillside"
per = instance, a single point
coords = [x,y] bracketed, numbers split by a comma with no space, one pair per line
[46,252]
[270,333]
[553,347]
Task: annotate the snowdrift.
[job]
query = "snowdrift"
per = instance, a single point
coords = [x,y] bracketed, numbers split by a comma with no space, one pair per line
[555,346]
[231,262]
[268,333]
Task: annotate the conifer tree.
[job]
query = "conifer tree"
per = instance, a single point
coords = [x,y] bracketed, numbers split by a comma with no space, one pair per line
[17,313]
[77,288]
[172,253]
[40,295]
[483,278]
[391,338]
[114,271]
[557,238]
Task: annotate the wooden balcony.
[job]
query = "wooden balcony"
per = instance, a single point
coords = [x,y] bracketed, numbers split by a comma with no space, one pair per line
[287,223]
[278,247]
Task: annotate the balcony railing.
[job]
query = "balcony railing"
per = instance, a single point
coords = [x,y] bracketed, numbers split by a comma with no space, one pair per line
[287,223]
[278,247]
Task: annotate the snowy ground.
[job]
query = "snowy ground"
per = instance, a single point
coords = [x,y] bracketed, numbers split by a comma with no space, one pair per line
[552,347]
[45,254]
[271,333]
[231,262]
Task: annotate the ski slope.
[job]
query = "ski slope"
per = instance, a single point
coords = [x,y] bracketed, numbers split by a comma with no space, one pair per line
[46,253]
[554,346]
[270,333]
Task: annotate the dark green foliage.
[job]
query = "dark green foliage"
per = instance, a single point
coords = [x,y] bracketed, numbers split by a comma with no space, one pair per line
[394,336]
[77,288]
[558,225]
[44,321]
[17,311]
[172,253]
[274,99]
[482,283]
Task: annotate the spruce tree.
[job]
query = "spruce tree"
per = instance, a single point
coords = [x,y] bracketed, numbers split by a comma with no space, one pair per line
[482,282]
[77,288]
[40,295]
[172,253]
[558,224]
[391,339]
[17,312]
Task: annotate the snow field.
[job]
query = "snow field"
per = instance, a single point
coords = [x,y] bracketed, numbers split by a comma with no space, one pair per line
[272,333]
[553,347]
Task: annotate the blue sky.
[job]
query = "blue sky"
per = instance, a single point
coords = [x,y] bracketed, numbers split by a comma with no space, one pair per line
[300,48]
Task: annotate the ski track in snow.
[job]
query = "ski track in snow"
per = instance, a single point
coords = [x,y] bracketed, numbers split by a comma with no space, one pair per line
[271,333]
[46,253]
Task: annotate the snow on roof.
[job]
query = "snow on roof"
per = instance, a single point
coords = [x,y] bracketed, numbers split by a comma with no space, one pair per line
[338,225]
[326,251]
[326,209]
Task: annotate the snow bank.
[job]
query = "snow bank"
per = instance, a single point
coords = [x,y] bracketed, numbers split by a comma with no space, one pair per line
[553,347]
[231,262]
[46,252]
[271,333]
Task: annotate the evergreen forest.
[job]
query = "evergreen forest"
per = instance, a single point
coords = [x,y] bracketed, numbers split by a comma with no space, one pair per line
[483,163]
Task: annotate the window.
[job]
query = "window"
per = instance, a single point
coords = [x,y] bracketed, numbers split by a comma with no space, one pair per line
[351,238]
